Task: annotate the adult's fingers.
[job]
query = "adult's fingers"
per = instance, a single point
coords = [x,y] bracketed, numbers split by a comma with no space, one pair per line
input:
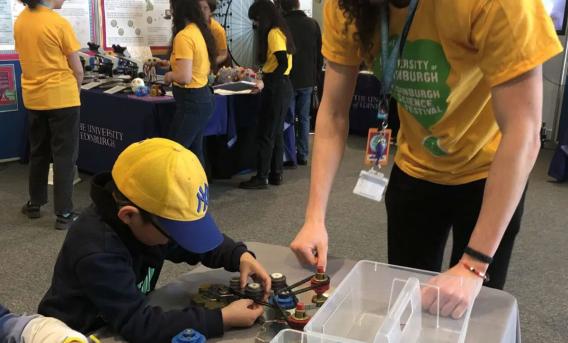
[305,255]
[429,297]
[459,310]
[322,255]
[450,304]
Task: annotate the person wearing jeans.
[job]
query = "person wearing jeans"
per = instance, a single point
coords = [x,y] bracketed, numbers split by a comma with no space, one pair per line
[192,53]
[51,78]
[301,102]
[308,62]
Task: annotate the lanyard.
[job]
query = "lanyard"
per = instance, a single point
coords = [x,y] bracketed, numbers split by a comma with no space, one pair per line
[389,61]
[388,69]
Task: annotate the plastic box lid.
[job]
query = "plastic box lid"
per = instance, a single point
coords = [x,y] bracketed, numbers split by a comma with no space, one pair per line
[378,302]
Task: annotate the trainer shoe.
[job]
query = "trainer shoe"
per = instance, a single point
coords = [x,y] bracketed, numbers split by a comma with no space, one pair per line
[64,221]
[32,211]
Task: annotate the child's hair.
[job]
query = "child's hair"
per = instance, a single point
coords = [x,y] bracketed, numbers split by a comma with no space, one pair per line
[269,17]
[31,3]
[121,200]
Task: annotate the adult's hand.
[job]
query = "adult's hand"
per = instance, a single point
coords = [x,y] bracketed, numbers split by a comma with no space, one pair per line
[458,288]
[310,245]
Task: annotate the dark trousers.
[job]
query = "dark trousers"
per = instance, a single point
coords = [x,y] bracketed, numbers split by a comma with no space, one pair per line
[421,214]
[194,108]
[54,134]
[276,97]
[301,101]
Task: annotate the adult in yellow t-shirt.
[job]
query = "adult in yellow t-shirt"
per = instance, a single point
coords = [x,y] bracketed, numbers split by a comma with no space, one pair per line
[217,30]
[275,49]
[192,53]
[51,78]
[469,89]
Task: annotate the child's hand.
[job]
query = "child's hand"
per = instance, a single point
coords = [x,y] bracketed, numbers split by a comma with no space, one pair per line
[241,313]
[251,267]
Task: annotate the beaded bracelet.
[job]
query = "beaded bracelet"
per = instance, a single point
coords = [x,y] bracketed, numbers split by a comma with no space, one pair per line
[484,276]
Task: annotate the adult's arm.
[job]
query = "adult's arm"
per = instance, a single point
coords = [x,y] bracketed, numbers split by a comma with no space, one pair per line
[222,56]
[182,74]
[518,111]
[75,64]
[282,59]
[332,126]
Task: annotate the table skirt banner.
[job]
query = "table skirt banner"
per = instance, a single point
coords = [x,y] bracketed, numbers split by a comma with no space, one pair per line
[110,123]
[13,116]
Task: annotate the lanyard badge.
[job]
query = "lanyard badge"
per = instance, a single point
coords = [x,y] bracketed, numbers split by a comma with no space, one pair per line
[372,183]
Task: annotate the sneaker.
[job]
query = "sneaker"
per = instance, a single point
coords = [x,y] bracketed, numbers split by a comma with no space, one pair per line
[32,211]
[302,161]
[275,179]
[64,221]
[254,183]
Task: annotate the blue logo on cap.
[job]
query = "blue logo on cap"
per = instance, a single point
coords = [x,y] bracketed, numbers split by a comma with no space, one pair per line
[203,198]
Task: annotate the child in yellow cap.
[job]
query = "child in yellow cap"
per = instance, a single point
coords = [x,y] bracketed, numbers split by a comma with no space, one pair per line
[152,207]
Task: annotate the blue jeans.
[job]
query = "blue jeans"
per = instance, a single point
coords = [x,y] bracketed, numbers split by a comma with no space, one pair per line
[194,108]
[301,102]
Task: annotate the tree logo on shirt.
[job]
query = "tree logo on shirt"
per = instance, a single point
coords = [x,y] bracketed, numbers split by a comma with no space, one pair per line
[145,286]
[421,85]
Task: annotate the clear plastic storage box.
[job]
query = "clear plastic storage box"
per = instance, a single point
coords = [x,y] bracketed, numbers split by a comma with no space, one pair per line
[293,336]
[378,303]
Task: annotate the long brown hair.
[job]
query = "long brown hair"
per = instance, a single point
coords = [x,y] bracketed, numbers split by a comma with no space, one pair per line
[189,11]
[365,15]
[269,17]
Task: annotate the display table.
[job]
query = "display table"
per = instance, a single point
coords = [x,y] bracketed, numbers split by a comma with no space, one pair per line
[494,318]
[110,123]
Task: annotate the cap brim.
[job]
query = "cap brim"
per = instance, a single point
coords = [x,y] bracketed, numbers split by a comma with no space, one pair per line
[198,236]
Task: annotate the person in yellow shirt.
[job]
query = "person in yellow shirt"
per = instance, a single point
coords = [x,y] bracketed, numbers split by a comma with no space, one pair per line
[192,54]
[469,87]
[275,49]
[217,30]
[51,78]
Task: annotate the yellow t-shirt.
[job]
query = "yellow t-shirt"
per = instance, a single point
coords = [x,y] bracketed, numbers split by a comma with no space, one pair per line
[219,34]
[189,44]
[276,42]
[455,52]
[43,40]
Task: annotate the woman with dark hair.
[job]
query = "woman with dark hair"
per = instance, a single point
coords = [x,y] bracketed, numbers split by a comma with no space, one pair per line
[469,87]
[217,30]
[275,49]
[51,79]
[192,55]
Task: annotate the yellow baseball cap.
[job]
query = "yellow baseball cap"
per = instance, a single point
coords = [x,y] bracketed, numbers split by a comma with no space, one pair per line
[167,180]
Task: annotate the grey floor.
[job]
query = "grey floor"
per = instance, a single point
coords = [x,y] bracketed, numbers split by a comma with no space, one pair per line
[538,273]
